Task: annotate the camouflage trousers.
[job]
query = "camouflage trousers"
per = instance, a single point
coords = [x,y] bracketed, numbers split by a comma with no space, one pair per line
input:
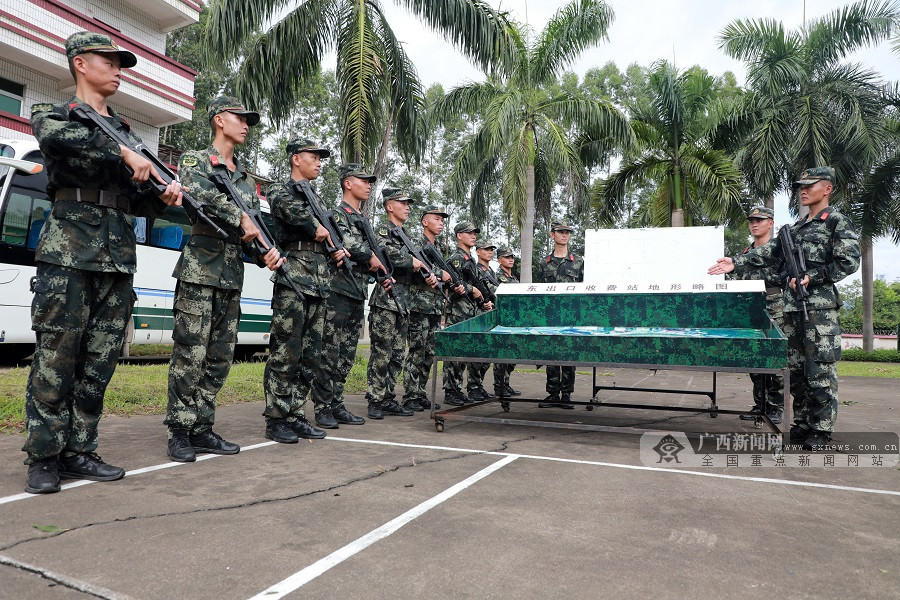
[343,325]
[813,350]
[295,351]
[501,376]
[79,318]
[387,332]
[204,335]
[420,357]
[476,373]
[768,391]
[560,379]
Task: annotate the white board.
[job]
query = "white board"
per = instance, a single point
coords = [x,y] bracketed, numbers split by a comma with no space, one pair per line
[649,254]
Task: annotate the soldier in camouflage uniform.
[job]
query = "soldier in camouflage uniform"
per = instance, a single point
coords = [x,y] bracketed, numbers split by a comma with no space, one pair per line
[768,394]
[462,306]
[387,324]
[504,274]
[484,250]
[295,346]
[426,305]
[86,259]
[558,267]
[345,309]
[210,274]
[831,249]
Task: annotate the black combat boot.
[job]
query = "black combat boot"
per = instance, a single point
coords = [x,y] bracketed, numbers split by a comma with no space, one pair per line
[306,430]
[88,465]
[375,411]
[279,431]
[566,401]
[754,413]
[345,417]
[180,449]
[550,401]
[325,419]
[43,476]
[392,408]
[212,442]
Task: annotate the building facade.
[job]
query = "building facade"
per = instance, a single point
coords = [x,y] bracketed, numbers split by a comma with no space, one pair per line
[33,66]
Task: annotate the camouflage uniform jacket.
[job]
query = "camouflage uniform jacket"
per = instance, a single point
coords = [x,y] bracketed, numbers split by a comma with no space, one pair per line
[206,259]
[350,223]
[88,236]
[460,304]
[774,294]
[831,249]
[402,263]
[569,268]
[423,298]
[294,223]
[502,277]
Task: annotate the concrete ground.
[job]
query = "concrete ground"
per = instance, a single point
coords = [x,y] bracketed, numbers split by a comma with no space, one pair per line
[394,509]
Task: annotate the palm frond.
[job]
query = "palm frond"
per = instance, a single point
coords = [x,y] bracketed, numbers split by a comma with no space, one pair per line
[467,99]
[847,29]
[574,28]
[717,181]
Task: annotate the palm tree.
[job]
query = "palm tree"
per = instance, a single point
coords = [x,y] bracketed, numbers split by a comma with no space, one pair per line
[380,90]
[527,140]
[674,153]
[805,106]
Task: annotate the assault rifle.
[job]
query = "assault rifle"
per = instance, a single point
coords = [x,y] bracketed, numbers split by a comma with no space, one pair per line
[326,220]
[478,282]
[87,116]
[224,185]
[367,231]
[796,265]
[416,252]
[456,279]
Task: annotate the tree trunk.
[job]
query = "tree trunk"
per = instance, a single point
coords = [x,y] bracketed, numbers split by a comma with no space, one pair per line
[527,230]
[678,211]
[868,280]
[369,208]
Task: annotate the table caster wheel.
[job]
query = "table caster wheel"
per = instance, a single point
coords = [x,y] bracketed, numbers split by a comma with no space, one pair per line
[588,407]
[714,415]
[439,426]
[757,423]
[504,406]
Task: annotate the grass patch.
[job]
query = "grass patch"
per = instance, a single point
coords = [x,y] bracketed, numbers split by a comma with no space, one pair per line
[868,369]
[142,389]
[150,350]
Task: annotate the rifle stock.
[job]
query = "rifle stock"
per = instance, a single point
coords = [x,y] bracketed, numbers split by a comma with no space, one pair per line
[87,116]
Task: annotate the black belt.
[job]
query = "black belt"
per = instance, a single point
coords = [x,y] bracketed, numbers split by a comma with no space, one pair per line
[317,247]
[89,196]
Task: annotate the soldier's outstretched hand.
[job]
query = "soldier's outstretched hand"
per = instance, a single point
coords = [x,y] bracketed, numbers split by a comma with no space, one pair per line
[723,265]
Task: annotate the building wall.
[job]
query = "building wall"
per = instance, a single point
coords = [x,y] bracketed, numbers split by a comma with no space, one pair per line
[124,17]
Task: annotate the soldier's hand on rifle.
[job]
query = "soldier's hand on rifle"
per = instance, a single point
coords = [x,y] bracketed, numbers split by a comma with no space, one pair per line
[322,235]
[172,194]
[249,229]
[417,264]
[803,282]
[476,293]
[460,289]
[273,259]
[338,255]
[722,266]
[375,264]
[488,306]
[387,283]
[432,280]
[445,277]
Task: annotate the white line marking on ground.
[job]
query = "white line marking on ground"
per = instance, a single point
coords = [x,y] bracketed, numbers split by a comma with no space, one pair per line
[75,584]
[301,578]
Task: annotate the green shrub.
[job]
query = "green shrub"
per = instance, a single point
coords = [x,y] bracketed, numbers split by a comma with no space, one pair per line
[859,355]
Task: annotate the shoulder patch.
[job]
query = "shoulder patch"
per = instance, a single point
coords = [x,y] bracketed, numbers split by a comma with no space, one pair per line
[189,161]
[382,230]
[43,107]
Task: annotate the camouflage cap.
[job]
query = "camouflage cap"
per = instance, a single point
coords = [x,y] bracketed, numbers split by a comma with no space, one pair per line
[761,212]
[485,244]
[230,104]
[466,227]
[811,176]
[355,170]
[87,41]
[298,145]
[433,209]
[561,225]
[504,252]
[395,193]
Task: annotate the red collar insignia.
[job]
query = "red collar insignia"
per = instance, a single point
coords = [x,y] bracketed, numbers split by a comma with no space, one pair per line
[214,159]
[824,215]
